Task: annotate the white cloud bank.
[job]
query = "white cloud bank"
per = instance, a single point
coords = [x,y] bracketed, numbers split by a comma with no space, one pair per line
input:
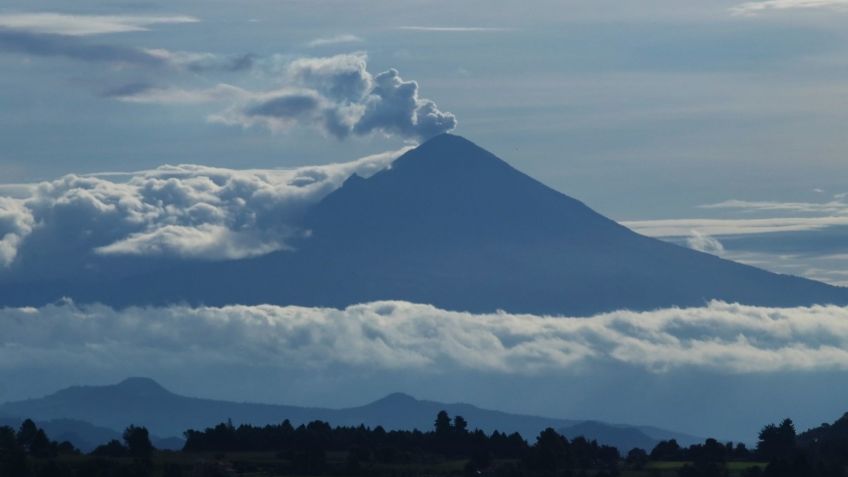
[393,336]
[181,211]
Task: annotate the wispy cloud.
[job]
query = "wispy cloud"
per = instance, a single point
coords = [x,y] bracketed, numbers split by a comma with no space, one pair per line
[757,7]
[784,217]
[84,25]
[702,242]
[684,227]
[53,45]
[334,40]
[152,93]
[452,28]
[836,206]
[80,49]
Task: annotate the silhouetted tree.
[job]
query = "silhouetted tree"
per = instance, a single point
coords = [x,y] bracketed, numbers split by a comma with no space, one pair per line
[26,434]
[138,443]
[666,450]
[777,441]
[40,446]
[460,425]
[443,423]
[550,453]
[13,460]
[113,448]
[637,458]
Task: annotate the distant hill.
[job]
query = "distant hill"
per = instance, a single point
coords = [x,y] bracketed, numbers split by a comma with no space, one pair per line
[142,401]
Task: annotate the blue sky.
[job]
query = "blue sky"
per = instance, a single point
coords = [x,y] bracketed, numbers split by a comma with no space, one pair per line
[718,125]
[625,107]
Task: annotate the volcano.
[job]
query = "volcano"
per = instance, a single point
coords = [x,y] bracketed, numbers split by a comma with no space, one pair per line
[450,224]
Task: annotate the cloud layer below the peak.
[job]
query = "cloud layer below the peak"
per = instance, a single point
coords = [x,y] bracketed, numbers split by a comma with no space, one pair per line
[659,365]
[392,335]
[185,211]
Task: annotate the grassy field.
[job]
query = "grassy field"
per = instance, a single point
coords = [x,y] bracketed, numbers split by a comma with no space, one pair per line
[268,464]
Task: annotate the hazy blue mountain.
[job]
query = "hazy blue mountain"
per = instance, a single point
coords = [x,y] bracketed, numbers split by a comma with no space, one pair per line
[629,436]
[452,225]
[142,401]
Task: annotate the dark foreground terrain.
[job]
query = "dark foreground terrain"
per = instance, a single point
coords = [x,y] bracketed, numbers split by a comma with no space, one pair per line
[449,448]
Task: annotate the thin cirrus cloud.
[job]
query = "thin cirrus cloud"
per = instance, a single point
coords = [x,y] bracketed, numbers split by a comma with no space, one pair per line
[684,227]
[797,238]
[72,47]
[757,7]
[85,25]
[184,212]
[334,40]
[448,29]
[802,216]
[63,35]
[75,48]
[837,206]
[418,338]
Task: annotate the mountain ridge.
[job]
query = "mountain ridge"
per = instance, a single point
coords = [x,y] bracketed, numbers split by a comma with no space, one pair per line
[165,413]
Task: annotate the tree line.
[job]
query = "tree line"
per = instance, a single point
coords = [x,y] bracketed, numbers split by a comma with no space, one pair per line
[318,448]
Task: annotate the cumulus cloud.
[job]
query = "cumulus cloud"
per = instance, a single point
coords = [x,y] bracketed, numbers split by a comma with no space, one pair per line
[15,224]
[337,95]
[393,335]
[704,243]
[173,211]
[754,8]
